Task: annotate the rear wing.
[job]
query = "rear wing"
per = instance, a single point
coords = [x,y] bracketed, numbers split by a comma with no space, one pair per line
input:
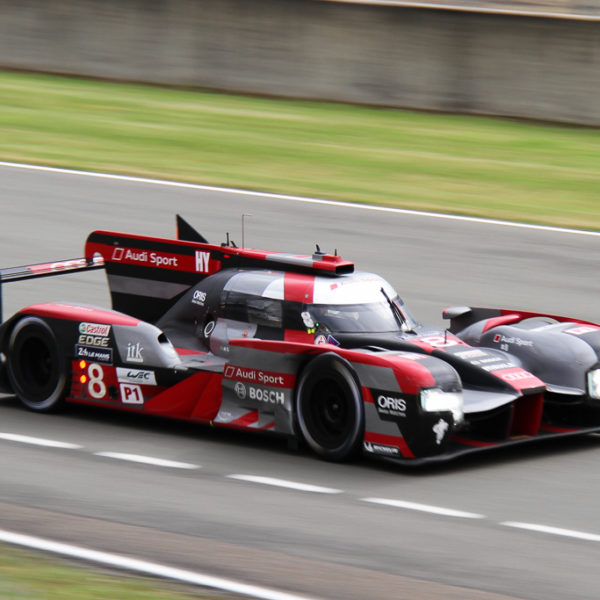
[146,275]
[61,267]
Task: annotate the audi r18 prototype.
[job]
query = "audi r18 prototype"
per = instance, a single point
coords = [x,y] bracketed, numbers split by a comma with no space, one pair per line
[300,346]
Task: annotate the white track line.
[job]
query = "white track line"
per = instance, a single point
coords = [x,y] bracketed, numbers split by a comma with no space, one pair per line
[580,535]
[519,12]
[356,206]
[148,568]
[292,485]
[147,460]
[25,439]
[436,510]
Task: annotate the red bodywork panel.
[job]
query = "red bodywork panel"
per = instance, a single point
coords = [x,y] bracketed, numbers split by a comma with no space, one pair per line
[76,312]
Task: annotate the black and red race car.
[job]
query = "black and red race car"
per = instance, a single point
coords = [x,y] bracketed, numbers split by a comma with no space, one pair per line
[300,346]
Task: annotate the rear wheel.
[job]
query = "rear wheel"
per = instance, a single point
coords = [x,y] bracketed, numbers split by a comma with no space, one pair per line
[36,366]
[329,408]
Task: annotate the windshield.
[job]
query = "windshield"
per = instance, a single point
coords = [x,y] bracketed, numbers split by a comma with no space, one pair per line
[372,317]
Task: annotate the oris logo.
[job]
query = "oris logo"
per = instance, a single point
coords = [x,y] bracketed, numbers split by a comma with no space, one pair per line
[391,403]
[199,298]
[240,390]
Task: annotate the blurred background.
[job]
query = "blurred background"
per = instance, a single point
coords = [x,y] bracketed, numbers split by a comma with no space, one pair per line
[536,59]
[567,8]
[503,124]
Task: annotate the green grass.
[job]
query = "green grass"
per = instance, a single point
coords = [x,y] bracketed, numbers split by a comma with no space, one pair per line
[496,168]
[28,576]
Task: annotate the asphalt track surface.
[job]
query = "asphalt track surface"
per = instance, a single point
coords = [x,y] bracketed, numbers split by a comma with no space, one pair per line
[514,524]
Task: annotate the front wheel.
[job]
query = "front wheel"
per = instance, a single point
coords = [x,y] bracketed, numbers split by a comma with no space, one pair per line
[329,408]
[36,366]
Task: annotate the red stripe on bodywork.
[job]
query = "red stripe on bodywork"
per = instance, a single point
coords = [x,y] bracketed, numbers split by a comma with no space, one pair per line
[298,287]
[429,343]
[556,429]
[389,440]
[246,420]
[527,415]
[528,315]
[74,312]
[291,335]
[519,379]
[367,396]
[503,320]
[188,352]
[198,397]
[411,375]
[467,442]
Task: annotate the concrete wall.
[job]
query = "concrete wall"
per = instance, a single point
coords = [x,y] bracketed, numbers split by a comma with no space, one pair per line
[540,68]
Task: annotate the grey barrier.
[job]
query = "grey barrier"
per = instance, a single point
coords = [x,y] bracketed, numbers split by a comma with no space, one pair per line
[425,58]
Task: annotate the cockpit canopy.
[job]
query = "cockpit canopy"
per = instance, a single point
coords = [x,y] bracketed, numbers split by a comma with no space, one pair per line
[266,304]
[360,302]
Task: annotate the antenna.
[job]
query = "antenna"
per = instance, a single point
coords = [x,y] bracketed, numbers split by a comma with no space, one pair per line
[243,237]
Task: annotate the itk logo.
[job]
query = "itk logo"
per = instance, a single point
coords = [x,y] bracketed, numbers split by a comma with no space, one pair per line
[202,259]
[134,353]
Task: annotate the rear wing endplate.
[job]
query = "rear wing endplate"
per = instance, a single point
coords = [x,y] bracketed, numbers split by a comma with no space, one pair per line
[61,267]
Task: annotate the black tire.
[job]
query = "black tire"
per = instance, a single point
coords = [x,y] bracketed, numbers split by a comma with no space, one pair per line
[36,367]
[329,408]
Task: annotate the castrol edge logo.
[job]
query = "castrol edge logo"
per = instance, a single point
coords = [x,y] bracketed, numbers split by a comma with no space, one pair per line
[94,329]
[93,334]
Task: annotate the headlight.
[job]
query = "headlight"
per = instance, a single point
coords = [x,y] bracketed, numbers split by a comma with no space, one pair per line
[436,400]
[593,384]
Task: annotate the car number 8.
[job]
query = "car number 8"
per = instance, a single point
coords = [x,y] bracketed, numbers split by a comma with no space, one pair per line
[439,341]
[96,385]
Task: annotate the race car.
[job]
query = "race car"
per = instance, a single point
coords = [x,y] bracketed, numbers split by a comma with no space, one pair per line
[297,346]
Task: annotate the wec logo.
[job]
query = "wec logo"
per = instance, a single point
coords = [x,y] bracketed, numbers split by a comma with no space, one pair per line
[136,376]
